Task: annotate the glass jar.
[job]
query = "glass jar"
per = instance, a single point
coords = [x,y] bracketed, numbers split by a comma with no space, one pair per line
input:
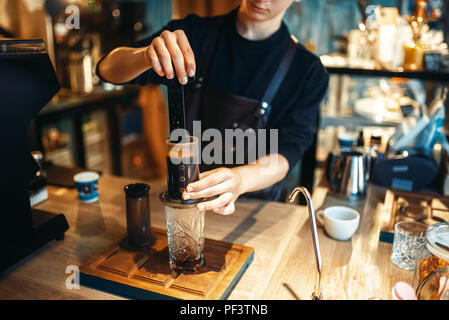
[185,233]
[431,278]
[414,56]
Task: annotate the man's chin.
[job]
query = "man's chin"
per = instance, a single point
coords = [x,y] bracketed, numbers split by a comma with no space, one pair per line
[257,16]
[253,14]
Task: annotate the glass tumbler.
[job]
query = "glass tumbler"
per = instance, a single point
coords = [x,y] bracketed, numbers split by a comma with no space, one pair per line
[409,241]
[185,232]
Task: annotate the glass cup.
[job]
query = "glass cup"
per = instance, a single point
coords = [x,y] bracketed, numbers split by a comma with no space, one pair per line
[409,241]
[185,232]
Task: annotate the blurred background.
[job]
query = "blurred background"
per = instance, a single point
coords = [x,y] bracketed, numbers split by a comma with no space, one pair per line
[121,129]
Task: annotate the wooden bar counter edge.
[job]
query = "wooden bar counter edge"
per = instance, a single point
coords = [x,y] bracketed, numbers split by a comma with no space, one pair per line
[283,265]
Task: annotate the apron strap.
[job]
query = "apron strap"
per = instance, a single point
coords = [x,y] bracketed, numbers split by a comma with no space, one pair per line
[193,98]
[281,72]
[277,80]
[209,49]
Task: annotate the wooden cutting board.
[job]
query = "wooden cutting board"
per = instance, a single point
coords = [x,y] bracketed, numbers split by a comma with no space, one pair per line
[145,274]
[412,206]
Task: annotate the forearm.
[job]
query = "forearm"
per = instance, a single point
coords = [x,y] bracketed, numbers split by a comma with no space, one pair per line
[263,173]
[124,64]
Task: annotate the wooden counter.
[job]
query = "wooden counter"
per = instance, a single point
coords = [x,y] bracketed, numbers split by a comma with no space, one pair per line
[283,266]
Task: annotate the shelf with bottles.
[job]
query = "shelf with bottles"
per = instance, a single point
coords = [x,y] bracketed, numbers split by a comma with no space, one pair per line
[390,45]
[56,143]
[439,76]
[66,101]
[331,138]
[95,135]
[372,101]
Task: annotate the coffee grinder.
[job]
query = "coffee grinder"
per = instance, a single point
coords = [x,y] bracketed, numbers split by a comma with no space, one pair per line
[185,222]
[27,84]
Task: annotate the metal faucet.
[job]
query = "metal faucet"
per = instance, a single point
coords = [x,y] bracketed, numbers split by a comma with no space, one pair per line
[317,294]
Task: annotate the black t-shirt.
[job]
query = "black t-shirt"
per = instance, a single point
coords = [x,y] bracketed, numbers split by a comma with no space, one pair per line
[245,67]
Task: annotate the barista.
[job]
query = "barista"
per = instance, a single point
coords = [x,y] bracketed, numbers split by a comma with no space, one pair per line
[249,73]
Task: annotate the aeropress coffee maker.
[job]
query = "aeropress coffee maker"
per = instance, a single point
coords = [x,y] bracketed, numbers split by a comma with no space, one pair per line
[185,222]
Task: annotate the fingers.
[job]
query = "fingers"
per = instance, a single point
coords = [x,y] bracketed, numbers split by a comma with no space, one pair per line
[226,210]
[164,57]
[225,186]
[176,55]
[154,60]
[208,173]
[214,182]
[189,57]
[221,201]
[210,180]
[171,52]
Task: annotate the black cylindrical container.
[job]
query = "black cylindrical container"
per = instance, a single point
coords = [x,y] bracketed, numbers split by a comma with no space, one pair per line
[138,219]
[182,168]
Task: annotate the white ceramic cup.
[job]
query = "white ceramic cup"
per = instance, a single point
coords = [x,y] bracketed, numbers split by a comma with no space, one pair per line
[339,222]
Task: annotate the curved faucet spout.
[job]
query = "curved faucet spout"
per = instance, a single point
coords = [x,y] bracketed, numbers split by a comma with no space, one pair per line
[316,246]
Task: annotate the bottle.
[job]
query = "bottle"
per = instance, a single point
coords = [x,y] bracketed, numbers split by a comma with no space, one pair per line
[421,11]
[360,139]
[413,56]
[414,50]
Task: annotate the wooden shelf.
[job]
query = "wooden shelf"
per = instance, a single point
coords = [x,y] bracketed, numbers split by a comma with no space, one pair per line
[439,76]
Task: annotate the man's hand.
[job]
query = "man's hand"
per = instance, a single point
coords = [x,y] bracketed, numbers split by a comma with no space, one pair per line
[223,182]
[124,64]
[229,184]
[172,47]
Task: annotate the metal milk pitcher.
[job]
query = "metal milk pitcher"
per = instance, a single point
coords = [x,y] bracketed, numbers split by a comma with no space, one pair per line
[348,173]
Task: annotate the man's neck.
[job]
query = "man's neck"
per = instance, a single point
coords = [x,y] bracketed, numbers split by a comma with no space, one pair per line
[256,30]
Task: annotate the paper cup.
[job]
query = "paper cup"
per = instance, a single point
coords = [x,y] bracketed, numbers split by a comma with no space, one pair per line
[87,186]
